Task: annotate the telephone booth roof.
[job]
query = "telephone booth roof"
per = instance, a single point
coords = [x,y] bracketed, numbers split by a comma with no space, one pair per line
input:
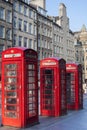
[54,58]
[72,66]
[51,61]
[18,52]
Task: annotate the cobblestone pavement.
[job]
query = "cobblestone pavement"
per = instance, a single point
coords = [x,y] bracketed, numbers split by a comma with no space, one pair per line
[74,120]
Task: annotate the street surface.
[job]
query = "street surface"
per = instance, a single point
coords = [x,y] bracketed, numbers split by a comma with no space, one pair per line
[74,120]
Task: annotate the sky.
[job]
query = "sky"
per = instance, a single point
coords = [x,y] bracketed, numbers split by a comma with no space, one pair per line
[76,12]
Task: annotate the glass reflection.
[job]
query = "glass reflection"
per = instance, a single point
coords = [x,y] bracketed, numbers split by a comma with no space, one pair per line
[11,66]
[30,107]
[13,94]
[31,73]
[11,80]
[30,67]
[11,100]
[13,108]
[30,92]
[30,99]
[11,114]
[31,86]
[34,99]
[11,87]
[11,73]
[31,79]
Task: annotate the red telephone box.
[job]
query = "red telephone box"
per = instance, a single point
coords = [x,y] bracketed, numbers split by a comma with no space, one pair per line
[19,87]
[53,87]
[74,86]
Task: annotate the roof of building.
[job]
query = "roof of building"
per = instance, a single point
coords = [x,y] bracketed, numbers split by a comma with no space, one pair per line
[83,29]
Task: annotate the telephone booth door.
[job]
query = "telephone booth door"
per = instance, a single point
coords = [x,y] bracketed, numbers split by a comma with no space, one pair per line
[74,86]
[70,83]
[80,93]
[63,99]
[47,91]
[11,93]
[32,93]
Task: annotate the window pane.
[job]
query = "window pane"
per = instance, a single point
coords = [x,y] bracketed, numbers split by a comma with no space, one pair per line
[2,13]
[9,34]
[25,42]
[20,24]
[2,32]
[35,16]
[14,5]
[1,49]
[13,108]
[11,114]
[25,26]
[20,8]
[30,28]
[34,30]
[25,11]
[15,22]
[15,38]
[11,94]
[20,40]
[30,13]
[11,66]
[9,16]
[30,43]
[11,87]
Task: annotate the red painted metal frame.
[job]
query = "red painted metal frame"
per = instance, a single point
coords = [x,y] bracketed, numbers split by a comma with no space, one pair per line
[23,57]
[76,69]
[59,104]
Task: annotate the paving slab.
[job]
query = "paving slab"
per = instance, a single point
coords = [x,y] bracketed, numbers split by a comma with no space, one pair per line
[74,120]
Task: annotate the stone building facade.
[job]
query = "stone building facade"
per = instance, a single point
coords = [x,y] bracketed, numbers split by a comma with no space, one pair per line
[24,25]
[5,25]
[66,35]
[81,50]
[33,28]
[61,37]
